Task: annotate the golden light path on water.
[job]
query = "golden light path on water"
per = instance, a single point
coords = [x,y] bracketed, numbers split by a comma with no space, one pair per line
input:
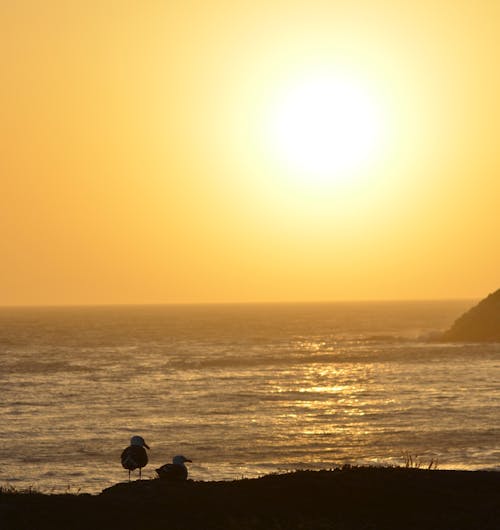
[343,397]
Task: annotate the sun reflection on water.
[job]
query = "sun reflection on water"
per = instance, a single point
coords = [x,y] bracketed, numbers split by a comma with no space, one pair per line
[328,401]
[332,389]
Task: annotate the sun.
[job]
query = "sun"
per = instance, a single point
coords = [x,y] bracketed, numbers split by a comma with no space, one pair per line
[324,129]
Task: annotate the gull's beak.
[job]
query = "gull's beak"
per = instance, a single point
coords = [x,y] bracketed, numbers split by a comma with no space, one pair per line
[146,445]
[187,460]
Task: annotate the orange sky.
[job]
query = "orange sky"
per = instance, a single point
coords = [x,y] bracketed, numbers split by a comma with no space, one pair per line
[136,164]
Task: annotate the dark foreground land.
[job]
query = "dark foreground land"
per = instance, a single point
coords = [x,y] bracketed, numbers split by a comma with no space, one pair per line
[343,499]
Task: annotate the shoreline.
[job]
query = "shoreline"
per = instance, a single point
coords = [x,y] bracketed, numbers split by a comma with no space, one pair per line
[345,498]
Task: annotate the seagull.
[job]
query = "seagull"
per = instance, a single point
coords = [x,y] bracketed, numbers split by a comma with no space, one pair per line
[135,456]
[176,471]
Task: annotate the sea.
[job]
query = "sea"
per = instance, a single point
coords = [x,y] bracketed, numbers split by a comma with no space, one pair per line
[242,390]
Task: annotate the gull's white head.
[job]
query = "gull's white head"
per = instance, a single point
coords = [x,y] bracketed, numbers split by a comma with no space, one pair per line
[138,441]
[179,460]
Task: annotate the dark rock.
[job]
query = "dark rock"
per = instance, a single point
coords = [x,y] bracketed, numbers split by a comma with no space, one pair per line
[479,324]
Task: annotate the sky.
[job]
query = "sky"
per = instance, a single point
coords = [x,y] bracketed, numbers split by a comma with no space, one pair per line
[227,151]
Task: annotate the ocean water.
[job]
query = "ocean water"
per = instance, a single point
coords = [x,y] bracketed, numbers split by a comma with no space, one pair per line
[242,390]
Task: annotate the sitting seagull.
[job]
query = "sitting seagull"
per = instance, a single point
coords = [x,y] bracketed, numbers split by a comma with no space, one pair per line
[135,456]
[176,471]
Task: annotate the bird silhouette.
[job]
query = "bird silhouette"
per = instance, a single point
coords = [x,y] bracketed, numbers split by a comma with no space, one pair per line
[135,456]
[176,471]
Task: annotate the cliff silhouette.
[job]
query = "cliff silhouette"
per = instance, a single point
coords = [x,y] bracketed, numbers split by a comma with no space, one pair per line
[480,324]
[349,498]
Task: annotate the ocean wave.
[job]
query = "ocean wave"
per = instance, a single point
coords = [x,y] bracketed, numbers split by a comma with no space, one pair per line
[25,366]
[362,351]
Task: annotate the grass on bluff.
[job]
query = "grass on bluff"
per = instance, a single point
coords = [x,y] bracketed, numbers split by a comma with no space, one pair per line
[416,462]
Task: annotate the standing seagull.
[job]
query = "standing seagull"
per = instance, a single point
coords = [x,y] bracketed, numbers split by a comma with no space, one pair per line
[135,456]
[176,471]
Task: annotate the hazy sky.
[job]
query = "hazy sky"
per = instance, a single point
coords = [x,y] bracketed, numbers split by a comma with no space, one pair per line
[178,151]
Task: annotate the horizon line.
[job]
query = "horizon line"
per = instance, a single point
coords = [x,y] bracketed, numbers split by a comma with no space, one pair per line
[235,303]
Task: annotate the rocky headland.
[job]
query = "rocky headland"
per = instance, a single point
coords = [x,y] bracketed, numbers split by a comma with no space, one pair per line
[480,324]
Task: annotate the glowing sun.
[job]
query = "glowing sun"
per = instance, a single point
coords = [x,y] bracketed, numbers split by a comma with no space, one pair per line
[324,128]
